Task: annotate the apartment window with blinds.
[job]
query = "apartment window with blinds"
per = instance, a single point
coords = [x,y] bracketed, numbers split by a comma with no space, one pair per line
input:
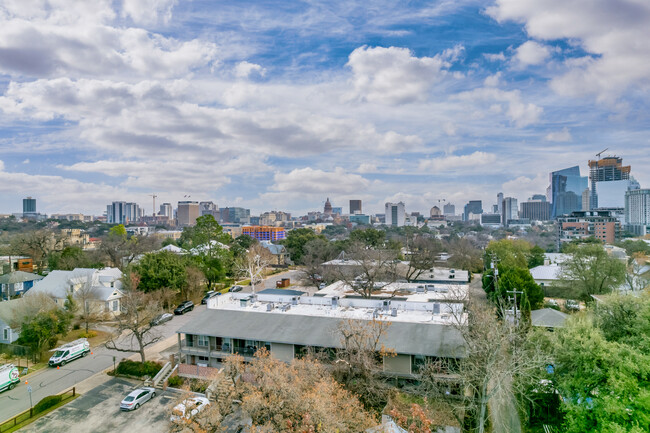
[203,340]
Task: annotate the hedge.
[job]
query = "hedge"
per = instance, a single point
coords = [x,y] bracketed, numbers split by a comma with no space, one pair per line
[138,369]
[47,402]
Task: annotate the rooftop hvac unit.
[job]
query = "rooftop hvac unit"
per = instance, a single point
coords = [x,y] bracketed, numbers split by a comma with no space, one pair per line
[436,309]
[294,300]
[375,313]
[419,289]
[393,312]
[285,307]
[452,271]
[243,303]
[335,301]
[270,307]
[430,287]
[386,305]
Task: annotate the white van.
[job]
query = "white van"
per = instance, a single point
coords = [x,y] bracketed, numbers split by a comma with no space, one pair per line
[69,352]
[9,377]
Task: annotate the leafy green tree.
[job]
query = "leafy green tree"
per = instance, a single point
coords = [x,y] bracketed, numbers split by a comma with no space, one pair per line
[72,257]
[625,319]
[513,279]
[42,331]
[510,252]
[207,241]
[161,270]
[605,385]
[591,271]
[370,237]
[296,240]
[536,257]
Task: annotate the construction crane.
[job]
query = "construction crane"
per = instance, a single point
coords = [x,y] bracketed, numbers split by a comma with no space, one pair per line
[154,202]
[601,152]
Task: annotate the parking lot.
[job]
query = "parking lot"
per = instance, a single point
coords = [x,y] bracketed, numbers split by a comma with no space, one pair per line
[98,411]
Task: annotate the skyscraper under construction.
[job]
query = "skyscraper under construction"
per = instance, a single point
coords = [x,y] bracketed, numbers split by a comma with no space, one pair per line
[608,169]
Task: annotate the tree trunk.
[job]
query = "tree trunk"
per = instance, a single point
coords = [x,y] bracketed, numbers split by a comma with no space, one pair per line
[482,414]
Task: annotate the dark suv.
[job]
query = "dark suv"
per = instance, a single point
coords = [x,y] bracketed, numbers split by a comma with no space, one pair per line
[184,307]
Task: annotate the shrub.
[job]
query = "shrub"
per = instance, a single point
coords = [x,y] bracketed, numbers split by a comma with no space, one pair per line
[198,385]
[76,326]
[138,369]
[175,381]
[89,334]
[47,402]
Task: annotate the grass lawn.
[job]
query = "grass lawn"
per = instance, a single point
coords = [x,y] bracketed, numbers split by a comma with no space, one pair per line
[98,339]
[24,420]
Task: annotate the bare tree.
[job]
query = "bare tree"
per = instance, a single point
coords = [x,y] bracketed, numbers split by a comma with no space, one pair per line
[368,270]
[465,255]
[422,253]
[134,328]
[358,365]
[316,252]
[87,297]
[496,369]
[253,264]
[38,245]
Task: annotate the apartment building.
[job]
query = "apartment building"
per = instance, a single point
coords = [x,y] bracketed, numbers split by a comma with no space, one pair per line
[290,323]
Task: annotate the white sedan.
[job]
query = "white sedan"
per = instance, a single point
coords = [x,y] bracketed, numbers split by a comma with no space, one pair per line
[136,398]
[189,407]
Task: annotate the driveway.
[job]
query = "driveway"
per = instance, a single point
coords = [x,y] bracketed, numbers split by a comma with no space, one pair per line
[98,411]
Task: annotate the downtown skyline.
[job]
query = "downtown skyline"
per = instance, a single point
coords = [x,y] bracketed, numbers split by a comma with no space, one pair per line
[266,105]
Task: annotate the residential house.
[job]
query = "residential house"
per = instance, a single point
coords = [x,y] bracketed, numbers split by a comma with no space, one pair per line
[16,283]
[101,287]
[280,253]
[14,309]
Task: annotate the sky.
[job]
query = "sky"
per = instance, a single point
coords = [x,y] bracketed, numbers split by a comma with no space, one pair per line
[276,105]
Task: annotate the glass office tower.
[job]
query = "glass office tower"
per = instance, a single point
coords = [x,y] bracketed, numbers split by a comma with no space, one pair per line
[565,191]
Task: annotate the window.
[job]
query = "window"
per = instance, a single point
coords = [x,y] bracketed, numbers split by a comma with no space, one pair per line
[203,340]
[204,358]
[5,334]
[116,305]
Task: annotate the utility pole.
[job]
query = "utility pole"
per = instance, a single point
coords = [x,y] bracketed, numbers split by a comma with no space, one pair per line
[514,292]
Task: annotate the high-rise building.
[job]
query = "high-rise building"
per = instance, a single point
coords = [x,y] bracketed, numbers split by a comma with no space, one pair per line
[565,191]
[116,213]
[132,212]
[539,197]
[327,210]
[167,210]
[509,210]
[500,203]
[29,207]
[187,213]
[535,210]
[355,207]
[586,198]
[608,169]
[449,209]
[637,211]
[395,214]
[475,208]
[611,194]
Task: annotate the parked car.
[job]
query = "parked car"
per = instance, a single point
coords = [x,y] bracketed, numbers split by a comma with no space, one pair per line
[572,305]
[189,407]
[234,289]
[137,398]
[184,307]
[210,294]
[322,286]
[161,318]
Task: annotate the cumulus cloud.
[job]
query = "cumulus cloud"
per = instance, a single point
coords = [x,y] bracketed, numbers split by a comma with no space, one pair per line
[245,69]
[313,181]
[525,187]
[148,12]
[561,136]
[531,53]
[613,32]
[394,75]
[495,57]
[75,39]
[456,162]
[520,113]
